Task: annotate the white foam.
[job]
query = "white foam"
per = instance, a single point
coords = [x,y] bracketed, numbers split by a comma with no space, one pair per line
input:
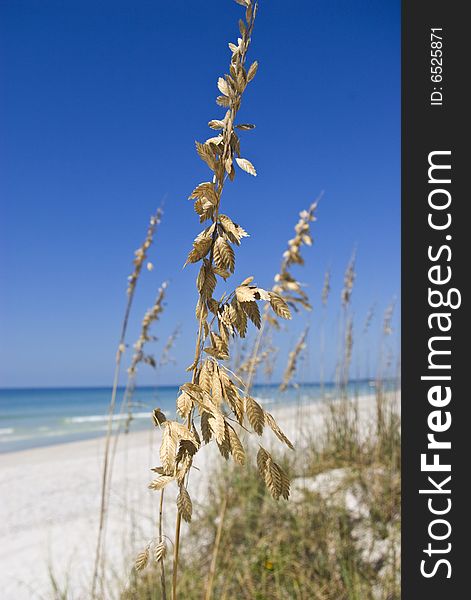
[14,438]
[104,418]
[264,400]
[6,431]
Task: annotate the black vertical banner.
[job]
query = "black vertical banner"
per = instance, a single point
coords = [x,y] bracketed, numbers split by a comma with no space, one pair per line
[436,258]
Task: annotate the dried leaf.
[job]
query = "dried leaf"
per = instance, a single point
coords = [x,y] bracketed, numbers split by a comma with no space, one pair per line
[224,446]
[252,71]
[233,231]
[241,322]
[277,431]
[186,449]
[279,306]
[142,560]
[206,375]
[273,478]
[192,389]
[244,293]
[245,126]
[217,424]
[184,504]
[201,314]
[217,352]
[203,191]
[216,124]
[216,141]
[160,551]
[160,482]
[255,415]
[223,87]
[205,428]
[158,417]
[253,312]
[224,255]
[200,249]
[262,457]
[206,281]
[168,449]
[232,397]
[285,483]
[206,154]
[237,449]
[216,386]
[246,166]
[223,101]
[184,405]
[181,432]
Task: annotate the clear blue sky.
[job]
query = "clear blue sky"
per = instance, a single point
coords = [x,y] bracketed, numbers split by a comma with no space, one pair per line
[100,104]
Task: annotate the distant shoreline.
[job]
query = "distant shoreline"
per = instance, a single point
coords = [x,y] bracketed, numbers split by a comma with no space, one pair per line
[35,418]
[171,385]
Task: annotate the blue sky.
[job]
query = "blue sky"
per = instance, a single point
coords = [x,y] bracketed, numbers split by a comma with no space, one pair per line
[100,105]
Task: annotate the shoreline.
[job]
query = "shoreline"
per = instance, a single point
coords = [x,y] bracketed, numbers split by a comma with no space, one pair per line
[57,416]
[13,440]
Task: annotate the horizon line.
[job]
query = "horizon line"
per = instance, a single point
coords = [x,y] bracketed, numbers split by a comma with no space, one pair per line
[171,385]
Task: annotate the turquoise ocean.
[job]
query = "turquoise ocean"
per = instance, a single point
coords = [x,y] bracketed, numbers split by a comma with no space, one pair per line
[31,418]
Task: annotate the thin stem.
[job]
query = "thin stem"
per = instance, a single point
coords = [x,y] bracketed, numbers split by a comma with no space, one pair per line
[111,409]
[176,547]
[217,543]
[322,356]
[162,566]
[140,254]
[255,352]
[176,550]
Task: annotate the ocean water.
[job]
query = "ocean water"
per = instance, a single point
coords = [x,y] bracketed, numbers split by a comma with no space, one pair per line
[30,418]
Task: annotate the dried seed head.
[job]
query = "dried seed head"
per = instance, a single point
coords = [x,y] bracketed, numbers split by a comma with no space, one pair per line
[141,253]
[369,317]
[139,355]
[212,395]
[348,282]
[326,288]
[141,560]
[160,551]
[348,344]
[293,360]
[388,315]
[286,285]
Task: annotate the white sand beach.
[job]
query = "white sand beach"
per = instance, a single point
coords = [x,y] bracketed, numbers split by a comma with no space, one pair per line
[50,501]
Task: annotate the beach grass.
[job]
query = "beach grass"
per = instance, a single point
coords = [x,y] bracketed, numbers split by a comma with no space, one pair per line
[337,538]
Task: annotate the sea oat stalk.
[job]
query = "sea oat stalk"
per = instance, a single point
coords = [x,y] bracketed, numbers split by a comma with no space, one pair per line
[369,318]
[348,281]
[326,289]
[212,406]
[140,355]
[324,298]
[346,325]
[287,287]
[165,357]
[140,256]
